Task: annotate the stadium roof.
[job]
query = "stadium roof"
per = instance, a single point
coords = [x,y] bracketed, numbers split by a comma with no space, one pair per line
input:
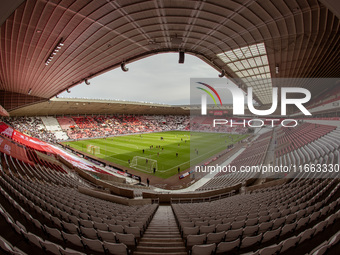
[81,106]
[48,46]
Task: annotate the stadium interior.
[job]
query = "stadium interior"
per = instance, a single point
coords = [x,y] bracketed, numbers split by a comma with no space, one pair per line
[57,198]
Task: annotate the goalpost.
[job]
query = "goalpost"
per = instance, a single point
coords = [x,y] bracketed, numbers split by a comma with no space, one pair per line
[93,149]
[144,164]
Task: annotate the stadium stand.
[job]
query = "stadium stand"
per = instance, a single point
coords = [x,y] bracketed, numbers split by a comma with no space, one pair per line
[52,125]
[328,96]
[68,216]
[60,219]
[253,155]
[33,127]
[300,209]
[66,123]
[288,140]
[311,143]
[53,129]
[55,202]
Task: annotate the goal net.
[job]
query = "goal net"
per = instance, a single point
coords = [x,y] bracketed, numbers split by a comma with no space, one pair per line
[93,149]
[144,164]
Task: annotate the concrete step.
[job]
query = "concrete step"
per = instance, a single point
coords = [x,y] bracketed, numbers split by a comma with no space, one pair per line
[161,240]
[165,243]
[162,230]
[162,236]
[164,224]
[161,227]
[161,233]
[160,249]
[157,253]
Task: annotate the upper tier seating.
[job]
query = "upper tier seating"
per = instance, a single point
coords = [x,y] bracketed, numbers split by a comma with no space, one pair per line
[66,122]
[311,144]
[32,126]
[325,98]
[289,139]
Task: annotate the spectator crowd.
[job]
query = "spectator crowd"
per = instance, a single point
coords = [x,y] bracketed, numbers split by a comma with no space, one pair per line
[32,126]
[83,127]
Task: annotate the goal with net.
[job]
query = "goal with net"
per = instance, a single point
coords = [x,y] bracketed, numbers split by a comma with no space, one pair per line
[93,149]
[144,164]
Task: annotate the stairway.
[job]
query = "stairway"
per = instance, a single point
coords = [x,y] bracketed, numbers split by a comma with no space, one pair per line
[162,235]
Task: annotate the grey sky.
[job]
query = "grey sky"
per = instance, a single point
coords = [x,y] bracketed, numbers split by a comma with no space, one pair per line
[157,79]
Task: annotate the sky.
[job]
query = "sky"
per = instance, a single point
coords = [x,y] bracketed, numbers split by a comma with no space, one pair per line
[157,79]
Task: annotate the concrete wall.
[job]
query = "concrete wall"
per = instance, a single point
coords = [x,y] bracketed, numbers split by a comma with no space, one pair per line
[108,177]
[113,198]
[166,197]
[113,189]
[47,158]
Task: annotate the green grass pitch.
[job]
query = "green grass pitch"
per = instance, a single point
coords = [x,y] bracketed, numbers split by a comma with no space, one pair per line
[192,148]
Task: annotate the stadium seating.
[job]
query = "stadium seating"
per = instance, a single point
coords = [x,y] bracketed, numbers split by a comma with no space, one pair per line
[229,224]
[52,129]
[302,194]
[288,140]
[313,144]
[46,201]
[253,155]
[33,126]
[325,98]
[44,207]
[103,126]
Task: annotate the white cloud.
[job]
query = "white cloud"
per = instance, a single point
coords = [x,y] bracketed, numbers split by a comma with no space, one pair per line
[158,79]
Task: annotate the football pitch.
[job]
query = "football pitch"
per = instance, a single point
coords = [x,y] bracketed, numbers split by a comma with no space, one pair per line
[170,150]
